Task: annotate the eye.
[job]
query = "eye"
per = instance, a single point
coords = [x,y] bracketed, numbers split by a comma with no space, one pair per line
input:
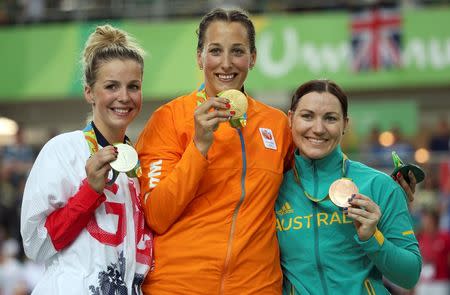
[111,87]
[306,116]
[238,51]
[134,87]
[331,118]
[215,51]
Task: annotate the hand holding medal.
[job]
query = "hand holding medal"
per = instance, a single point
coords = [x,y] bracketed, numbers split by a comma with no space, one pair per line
[98,167]
[365,214]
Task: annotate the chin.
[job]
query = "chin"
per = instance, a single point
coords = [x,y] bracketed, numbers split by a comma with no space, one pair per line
[315,155]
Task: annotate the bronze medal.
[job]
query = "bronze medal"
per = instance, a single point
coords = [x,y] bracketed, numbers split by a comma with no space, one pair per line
[341,190]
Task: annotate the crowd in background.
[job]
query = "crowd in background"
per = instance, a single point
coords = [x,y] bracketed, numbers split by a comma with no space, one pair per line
[35,11]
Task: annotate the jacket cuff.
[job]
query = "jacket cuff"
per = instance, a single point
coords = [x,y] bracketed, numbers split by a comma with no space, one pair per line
[194,154]
[373,244]
[89,198]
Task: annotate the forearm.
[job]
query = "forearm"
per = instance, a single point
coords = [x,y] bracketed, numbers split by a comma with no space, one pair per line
[167,201]
[401,265]
[65,224]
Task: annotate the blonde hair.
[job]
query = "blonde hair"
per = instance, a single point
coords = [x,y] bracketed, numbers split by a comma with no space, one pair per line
[107,43]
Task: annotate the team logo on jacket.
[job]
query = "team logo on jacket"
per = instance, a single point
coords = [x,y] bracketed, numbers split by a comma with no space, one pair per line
[285,209]
[268,138]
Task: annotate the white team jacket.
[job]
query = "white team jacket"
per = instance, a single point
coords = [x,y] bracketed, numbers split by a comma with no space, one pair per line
[91,264]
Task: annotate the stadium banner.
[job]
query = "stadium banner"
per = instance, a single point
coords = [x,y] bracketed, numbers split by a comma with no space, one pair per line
[360,52]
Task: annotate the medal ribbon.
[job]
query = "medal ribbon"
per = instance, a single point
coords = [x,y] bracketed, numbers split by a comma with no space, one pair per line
[91,139]
[344,169]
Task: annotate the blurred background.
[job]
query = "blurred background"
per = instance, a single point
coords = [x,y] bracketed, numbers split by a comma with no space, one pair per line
[391,57]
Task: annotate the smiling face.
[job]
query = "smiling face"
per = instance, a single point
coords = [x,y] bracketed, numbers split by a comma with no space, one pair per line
[116,97]
[317,124]
[225,57]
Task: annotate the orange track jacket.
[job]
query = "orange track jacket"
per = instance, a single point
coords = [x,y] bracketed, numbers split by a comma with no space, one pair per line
[213,218]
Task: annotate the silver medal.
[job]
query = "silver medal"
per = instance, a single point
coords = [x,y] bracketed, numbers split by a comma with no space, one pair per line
[127,158]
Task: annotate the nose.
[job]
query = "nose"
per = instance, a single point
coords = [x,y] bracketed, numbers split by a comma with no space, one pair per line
[318,126]
[226,61]
[123,95]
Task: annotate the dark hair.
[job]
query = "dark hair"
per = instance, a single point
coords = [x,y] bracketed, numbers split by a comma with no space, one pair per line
[320,85]
[231,15]
[107,43]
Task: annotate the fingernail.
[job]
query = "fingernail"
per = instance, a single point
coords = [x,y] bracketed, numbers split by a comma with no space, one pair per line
[351,198]
[232,113]
[399,175]
[228,105]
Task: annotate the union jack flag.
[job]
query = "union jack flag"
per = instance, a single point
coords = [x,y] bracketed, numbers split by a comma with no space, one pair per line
[376,39]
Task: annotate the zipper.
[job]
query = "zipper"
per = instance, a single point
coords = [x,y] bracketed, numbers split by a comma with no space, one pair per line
[316,233]
[235,214]
[369,288]
[292,291]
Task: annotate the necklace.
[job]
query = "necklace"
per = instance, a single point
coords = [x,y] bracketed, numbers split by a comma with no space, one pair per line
[344,170]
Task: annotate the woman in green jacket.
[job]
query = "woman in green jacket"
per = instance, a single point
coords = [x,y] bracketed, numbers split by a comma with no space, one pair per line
[345,249]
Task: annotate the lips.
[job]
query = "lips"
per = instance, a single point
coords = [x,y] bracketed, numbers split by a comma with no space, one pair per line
[121,111]
[226,77]
[315,140]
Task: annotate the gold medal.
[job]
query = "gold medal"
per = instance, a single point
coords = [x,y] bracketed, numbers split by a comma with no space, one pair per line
[127,158]
[341,190]
[238,102]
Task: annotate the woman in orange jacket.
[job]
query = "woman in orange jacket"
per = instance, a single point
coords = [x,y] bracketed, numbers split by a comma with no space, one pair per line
[209,188]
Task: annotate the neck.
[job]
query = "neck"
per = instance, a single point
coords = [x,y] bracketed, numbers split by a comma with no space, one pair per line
[112,136]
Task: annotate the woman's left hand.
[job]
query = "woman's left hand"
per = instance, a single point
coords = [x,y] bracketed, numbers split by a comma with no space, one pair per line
[365,214]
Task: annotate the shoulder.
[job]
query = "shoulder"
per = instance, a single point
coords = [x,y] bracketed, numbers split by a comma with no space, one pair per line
[268,116]
[369,172]
[61,141]
[65,145]
[378,183]
[62,157]
[180,105]
[263,108]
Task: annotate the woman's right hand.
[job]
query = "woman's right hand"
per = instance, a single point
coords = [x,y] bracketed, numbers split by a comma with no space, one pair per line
[207,117]
[97,167]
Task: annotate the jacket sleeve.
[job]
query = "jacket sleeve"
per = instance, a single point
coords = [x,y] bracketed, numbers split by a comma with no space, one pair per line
[171,170]
[65,223]
[394,248]
[54,206]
